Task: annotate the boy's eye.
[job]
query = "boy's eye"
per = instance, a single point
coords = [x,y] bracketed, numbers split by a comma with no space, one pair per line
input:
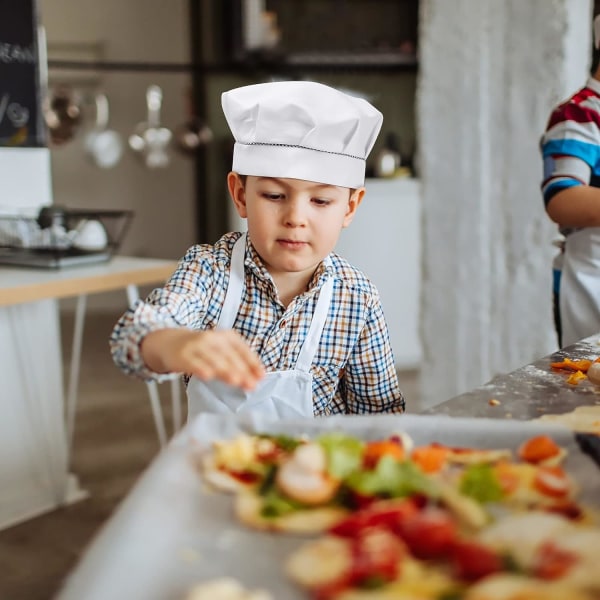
[321,201]
[272,195]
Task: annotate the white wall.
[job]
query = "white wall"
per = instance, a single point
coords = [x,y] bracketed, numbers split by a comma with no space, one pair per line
[489,73]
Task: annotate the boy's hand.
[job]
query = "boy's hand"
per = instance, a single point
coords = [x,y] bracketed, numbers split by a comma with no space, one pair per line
[215,354]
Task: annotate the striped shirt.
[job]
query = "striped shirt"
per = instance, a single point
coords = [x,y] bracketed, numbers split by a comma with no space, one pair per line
[353,370]
[570,145]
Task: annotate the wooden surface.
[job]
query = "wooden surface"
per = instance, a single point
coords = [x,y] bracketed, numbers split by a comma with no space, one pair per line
[20,284]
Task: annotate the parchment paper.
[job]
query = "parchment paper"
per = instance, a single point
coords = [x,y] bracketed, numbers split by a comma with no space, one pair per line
[172,532]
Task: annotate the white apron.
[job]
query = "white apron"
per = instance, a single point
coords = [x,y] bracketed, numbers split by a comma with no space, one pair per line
[580,286]
[280,394]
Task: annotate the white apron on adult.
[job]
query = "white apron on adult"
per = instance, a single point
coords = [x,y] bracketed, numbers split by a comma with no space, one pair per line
[580,286]
[279,394]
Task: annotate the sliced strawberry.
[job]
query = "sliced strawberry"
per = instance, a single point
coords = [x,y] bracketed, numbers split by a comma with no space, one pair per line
[552,562]
[473,561]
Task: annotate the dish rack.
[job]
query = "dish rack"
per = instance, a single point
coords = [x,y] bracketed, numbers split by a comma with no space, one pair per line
[50,240]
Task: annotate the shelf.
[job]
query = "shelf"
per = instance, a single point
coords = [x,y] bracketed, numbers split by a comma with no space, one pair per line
[300,62]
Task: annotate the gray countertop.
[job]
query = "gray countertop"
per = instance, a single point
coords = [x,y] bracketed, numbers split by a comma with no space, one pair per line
[531,391]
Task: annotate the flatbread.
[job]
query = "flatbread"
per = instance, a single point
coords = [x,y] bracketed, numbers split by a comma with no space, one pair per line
[248,508]
[585,419]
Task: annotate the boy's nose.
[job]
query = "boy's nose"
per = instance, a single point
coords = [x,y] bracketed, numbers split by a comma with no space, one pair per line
[294,214]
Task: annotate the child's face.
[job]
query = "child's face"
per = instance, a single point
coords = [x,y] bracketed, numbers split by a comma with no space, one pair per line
[293,224]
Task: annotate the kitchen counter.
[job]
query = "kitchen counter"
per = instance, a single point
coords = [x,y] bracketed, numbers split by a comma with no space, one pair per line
[531,391]
[18,285]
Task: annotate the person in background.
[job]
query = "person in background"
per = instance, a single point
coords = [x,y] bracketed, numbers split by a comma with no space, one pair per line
[272,320]
[570,149]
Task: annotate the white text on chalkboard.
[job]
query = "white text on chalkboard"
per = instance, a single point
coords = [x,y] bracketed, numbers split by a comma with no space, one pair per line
[15,54]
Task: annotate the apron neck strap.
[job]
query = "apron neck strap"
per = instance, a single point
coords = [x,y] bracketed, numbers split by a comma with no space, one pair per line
[311,343]
[235,288]
[233,298]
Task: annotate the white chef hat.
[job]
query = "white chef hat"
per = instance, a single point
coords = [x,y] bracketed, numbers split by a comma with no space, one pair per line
[301,130]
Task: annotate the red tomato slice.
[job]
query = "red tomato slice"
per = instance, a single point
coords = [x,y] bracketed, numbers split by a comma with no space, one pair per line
[244,476]
[376,555]
[538,448]
[473,561]
[389,515]
[429,533]
[552,562]
[552,481]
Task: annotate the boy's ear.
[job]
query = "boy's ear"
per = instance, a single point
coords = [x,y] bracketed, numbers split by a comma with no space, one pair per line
[356,197]
[237,193]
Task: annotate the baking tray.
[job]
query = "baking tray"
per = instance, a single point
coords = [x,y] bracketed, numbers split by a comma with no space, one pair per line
[172,532]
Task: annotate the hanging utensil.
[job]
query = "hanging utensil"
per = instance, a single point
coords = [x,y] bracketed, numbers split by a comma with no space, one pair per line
[104,146]
[150,139]
[62,114]
[193,133]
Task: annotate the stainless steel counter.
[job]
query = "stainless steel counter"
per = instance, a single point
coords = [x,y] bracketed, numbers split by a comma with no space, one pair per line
[531,391]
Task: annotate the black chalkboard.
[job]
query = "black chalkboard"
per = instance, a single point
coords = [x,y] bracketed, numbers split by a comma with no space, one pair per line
[21,122]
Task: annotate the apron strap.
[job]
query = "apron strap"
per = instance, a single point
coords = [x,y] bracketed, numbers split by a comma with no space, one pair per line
[311,343]
[235,289]
[233,298]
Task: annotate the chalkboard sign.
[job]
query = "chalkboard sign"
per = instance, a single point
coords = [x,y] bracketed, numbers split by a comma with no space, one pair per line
[21,122]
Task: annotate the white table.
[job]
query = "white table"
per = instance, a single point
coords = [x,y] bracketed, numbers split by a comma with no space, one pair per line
[171,531]
[35,433]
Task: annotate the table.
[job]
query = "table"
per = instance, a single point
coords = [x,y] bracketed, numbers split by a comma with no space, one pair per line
[529,392]
[172,531]
[35,433]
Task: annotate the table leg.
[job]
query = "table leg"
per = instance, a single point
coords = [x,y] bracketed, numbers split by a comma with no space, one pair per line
[176,403]
[132,297]
[74,370]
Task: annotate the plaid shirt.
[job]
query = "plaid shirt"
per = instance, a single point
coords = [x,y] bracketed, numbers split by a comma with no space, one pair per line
[353,370]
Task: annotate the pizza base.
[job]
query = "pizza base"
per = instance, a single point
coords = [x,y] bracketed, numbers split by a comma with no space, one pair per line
[517,587]
[585,419]
[219,479]
[248,506]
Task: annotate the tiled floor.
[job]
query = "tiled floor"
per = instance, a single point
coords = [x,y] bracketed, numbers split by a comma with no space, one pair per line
[115,440]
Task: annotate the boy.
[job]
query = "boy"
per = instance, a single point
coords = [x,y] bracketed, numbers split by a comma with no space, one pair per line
[570,149]
[272,320]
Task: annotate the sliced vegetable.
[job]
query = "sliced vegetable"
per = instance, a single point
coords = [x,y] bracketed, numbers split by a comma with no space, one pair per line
[344,453]
[572,365]
[430,458]
[481,483]
[392,479]
[473,561]
[374,451]
[576,377]
[552,562]
[390,514]
[552,481]
[538,449]
[429,533]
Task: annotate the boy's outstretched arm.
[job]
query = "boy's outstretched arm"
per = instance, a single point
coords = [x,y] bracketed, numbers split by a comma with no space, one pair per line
[212,354]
